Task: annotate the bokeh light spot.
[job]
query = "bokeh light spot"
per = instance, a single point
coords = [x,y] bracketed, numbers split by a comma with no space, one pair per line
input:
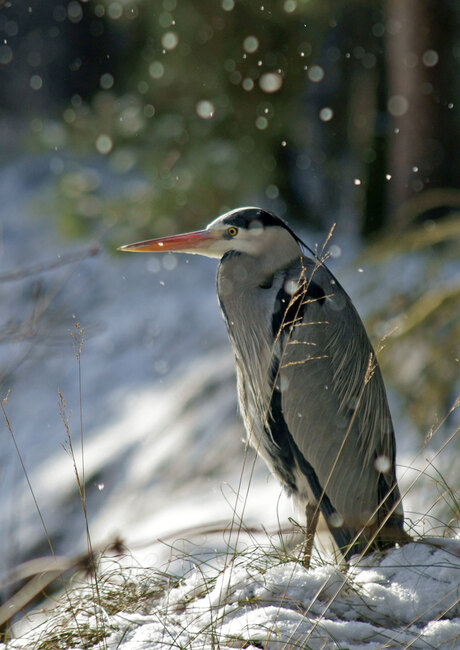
[270,82]
[104,144]
[316,73]
[205,109]
[106,81]
[36,82]
[261,123]
[156,70]
[170,40]
[397,105]
[250,44]
[430,58]
[326,114]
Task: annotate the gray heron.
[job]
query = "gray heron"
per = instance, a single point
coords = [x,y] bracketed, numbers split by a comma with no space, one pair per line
[310,390]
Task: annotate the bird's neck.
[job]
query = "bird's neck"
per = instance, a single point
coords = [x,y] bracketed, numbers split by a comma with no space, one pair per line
[246,271]
[239,272]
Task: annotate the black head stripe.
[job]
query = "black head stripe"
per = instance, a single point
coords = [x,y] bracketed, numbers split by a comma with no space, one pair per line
[244,217]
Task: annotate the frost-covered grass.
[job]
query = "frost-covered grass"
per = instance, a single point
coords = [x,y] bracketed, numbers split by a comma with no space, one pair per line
[259,598]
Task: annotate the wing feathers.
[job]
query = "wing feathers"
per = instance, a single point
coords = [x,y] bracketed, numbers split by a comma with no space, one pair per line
[333,379]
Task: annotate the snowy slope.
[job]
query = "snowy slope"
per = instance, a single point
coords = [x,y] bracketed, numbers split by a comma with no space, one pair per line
[158,390]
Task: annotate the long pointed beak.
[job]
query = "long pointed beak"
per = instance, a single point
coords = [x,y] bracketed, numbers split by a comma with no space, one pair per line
[189,242]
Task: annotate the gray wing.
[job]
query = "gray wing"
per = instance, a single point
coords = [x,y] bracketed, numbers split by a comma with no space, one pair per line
[333,399]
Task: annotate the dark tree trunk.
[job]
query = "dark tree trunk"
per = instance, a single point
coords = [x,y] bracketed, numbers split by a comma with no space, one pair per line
[423,138]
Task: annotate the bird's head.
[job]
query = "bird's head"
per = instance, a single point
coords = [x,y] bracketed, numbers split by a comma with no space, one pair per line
[253,231]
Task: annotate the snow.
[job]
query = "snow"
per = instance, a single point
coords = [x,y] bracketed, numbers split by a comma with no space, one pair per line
[406,597]
[409,596]
[164,457]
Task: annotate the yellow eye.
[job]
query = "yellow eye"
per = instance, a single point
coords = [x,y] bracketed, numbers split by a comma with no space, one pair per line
[232,231]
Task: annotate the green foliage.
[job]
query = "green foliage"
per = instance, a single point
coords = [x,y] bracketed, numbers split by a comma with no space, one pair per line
[207,103]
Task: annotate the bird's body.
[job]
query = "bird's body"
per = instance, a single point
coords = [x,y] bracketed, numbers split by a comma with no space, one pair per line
[309,388]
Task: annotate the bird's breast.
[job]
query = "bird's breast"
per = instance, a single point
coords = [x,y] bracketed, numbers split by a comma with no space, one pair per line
[248,302]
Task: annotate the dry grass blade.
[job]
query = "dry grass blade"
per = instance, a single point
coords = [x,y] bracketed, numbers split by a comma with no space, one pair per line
[36,269]
[26,475]
[424,308]
[43,572]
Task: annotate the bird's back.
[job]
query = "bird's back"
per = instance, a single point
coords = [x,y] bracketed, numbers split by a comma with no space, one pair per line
[312,396]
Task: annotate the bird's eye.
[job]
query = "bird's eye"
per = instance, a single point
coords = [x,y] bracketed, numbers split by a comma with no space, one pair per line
[232,231]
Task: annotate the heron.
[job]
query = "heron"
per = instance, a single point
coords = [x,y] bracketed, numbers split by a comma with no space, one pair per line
[310,390]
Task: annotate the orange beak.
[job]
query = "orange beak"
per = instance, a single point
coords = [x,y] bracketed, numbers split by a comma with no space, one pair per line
[189,242]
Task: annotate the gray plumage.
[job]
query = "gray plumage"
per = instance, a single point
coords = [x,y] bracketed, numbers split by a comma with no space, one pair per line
[309,387]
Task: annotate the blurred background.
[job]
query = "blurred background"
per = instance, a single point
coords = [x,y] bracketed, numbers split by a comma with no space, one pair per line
[122,120]
[217,103]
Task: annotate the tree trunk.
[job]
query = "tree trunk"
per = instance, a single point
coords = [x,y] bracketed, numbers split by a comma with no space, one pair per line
[418,34]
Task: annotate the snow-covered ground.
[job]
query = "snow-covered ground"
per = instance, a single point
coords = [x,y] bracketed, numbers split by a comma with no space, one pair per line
[163,451]
[405,598]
